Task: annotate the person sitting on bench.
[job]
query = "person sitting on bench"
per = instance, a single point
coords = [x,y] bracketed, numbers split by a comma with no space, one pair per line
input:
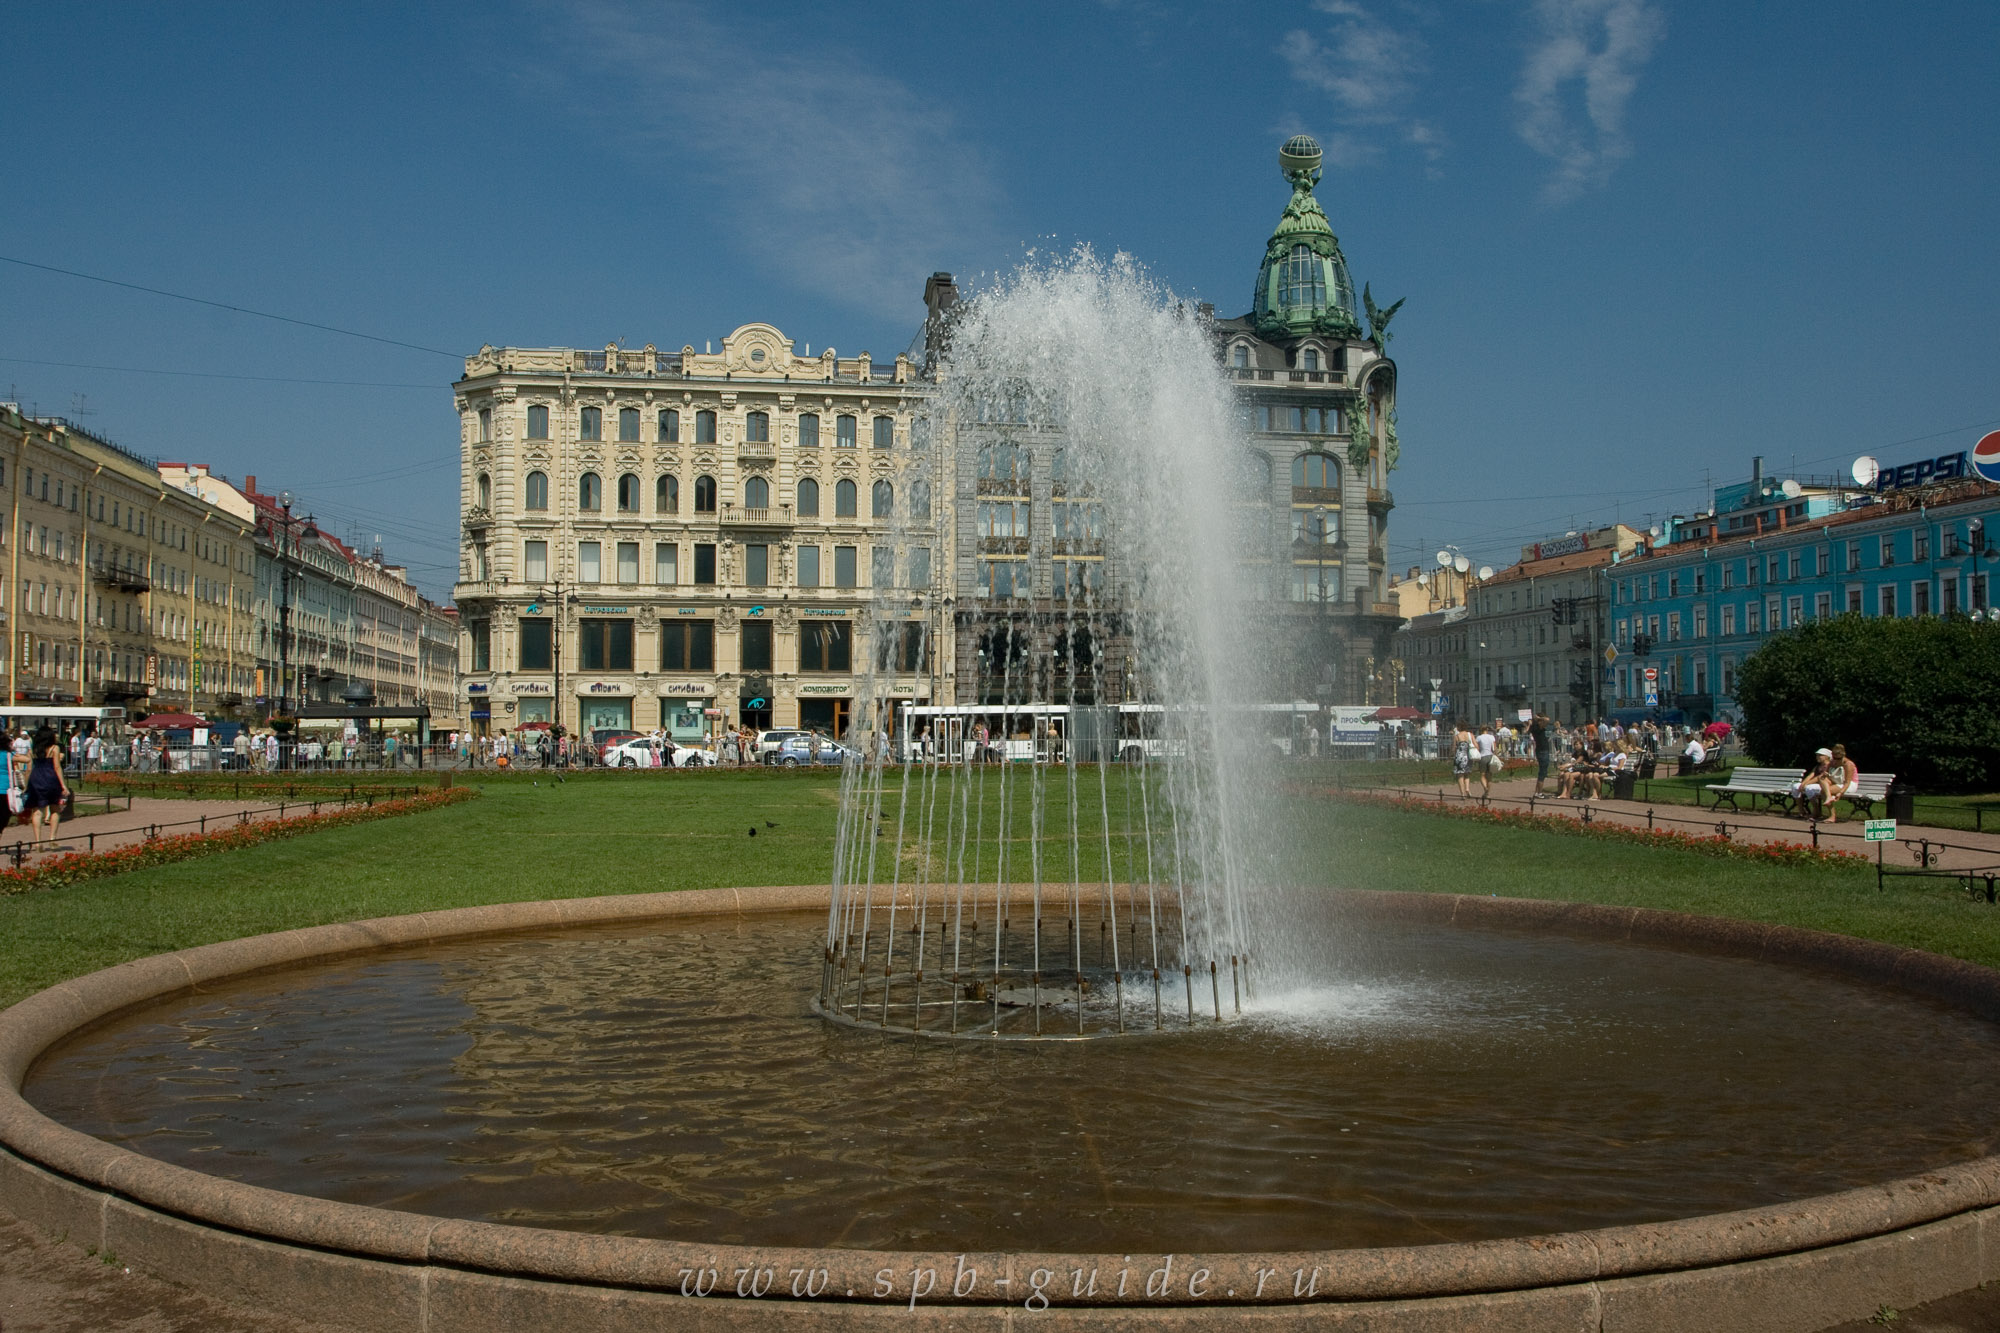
[1841,775]
[1811,789]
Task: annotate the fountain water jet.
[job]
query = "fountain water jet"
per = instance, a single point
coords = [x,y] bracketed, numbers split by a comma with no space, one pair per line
[1080,415]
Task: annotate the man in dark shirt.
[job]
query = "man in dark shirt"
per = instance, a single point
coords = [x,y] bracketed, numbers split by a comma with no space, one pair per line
[1538,735]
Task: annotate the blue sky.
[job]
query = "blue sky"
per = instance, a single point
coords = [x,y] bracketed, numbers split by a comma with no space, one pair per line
[1641,240]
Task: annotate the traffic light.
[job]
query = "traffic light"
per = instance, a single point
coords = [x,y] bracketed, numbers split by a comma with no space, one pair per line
[1641,644]
[1559,609]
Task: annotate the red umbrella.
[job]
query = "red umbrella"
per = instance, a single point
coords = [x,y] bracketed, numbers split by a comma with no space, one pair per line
[172,721]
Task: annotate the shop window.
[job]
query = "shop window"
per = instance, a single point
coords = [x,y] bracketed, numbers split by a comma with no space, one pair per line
[628,424]
[704,495]
[667,494]
[826,645]
[590,424]
[537,491]
[670,425]
[704,427]
[537,638]
[756,493]
[754,646]
[538,422]
[846,499]
[589,492]
[704,563]
[809,431]
[808,498]
[628,494]
[604,645]
[882,503]
[687,645]
[757,427]
[885,432]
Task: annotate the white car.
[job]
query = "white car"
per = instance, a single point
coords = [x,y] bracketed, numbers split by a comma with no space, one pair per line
[693,756]
[639,752]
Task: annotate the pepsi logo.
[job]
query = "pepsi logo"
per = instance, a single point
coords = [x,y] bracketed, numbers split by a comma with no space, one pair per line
[1985,457]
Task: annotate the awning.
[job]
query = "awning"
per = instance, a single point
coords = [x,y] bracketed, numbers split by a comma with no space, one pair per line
[1397,714]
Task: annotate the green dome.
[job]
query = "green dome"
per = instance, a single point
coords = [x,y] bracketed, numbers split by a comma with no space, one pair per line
[1303,286]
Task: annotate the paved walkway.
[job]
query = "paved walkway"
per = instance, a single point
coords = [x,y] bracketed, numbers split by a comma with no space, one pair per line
[1953,849]
[121,827]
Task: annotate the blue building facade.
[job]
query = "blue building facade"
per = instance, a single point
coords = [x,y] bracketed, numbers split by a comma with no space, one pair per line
[1772,556]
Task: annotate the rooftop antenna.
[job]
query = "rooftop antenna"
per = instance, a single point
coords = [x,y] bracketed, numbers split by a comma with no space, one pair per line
[79,405]
[1792,489]
[1865,470]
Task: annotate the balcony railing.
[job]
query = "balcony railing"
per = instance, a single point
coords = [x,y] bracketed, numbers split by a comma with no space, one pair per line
[1378,499]
[122,577]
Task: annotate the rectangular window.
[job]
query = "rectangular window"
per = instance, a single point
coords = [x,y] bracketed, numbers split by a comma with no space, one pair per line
[1728,577]
[1772,611]
[537,645]
[1005,579]
[1777,569]
[1825,560]
[826,645]
[1620,633]
[538,422]
[1003,518]
[845,574]
[535,562]
[1885,552]
[604,645]
[482,646]
[589,562]
[1920,599]
[1673,626]
[1700,626]
[628,562]
[913,647]
[670,425]
[1673,585]
[885,432]
[1793,563]
[1822,605]
[704,563]
[1076,580]
[754,646]
[590,424]
[757,565]
[809,566]
[485,427]
[1888,599]
[920,567]
[666,563]
[1920,546]
[628,424]
[844,432]
[881,566]
[1853,558]
[1795,612]
[704,427]
[1728,622]
[1753,618]
[687,645]
[1949,586]
[1854,600]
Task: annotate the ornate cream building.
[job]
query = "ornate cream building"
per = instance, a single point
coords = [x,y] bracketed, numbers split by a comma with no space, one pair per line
[656,539]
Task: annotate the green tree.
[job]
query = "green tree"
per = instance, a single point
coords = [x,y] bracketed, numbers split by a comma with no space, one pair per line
[1917,697]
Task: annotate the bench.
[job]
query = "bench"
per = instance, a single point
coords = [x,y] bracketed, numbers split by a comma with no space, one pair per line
[1773,784]
[1868,789]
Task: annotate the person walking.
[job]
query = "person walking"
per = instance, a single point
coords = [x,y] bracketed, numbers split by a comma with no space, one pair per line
[1487,760]
[1538,738]
[46,788]
[1461,759]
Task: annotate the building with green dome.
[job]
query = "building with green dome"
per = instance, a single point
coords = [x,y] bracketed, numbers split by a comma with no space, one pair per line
[1313,371]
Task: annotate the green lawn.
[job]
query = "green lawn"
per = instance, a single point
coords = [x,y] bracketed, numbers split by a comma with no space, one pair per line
[623,833]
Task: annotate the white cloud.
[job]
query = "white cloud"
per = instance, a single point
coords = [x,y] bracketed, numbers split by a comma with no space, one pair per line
[823,166]
[1370,68]
[1579,74]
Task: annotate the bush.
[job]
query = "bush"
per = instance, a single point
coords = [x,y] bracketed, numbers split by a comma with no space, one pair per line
[1919,698]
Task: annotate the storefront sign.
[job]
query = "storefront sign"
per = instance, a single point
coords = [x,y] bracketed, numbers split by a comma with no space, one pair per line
[473,688]
[823,611]
[533,687]
[677,688]
[1945,467]
[824,689]
[1562,546]
[604,687]
[605,611]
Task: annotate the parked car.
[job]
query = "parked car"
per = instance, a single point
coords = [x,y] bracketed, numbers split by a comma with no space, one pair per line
[801,749]
[639,752]
[765,750]
[694,756]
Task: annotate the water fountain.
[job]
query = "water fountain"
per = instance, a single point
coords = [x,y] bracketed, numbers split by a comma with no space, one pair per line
[981,897]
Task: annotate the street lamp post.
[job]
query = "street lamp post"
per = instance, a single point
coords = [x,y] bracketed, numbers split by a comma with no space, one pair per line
[284,602]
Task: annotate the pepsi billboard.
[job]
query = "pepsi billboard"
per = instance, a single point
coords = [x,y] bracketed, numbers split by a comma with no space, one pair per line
[1945,467]
[1985,457]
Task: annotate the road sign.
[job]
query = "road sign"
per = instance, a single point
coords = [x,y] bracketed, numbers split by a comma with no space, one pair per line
[1652,698]
[1878,830]
[1610,654]
[1652,675]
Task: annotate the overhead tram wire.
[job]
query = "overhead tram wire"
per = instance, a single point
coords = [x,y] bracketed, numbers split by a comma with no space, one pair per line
[217,375]
[234,309]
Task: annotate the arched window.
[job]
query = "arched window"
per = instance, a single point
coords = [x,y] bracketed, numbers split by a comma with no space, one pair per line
[920,499]
[808,498]
[1302,279]
[537,490]
[809,431]
[757,426]
[704,427]
[589,492]
[883,503]
[704,495]
[845,499]
[1239,357]
[1315,472]
[485,490]
[628,493]
[885,432]
[667,495]
[590,424]
[843,432]
[628,423]
[1004,462]
[756,493]
[1312,359]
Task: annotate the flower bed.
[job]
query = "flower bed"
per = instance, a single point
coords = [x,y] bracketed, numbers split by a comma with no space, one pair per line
[1708,844]
[76,867]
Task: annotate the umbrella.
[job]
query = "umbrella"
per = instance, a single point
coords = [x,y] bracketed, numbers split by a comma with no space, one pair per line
[172,721]
[1398,714]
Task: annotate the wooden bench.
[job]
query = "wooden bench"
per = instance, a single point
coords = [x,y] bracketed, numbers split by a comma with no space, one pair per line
[1773,784]
[1868,789]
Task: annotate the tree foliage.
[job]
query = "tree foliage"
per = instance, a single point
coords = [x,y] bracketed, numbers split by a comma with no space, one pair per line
[1916,697]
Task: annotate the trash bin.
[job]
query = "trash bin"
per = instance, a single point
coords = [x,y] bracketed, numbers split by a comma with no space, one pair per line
[1901,802]
[1648,765]
[1683,766]
[1622,783]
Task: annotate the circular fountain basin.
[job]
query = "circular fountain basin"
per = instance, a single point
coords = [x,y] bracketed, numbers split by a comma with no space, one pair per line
[1543,1109]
